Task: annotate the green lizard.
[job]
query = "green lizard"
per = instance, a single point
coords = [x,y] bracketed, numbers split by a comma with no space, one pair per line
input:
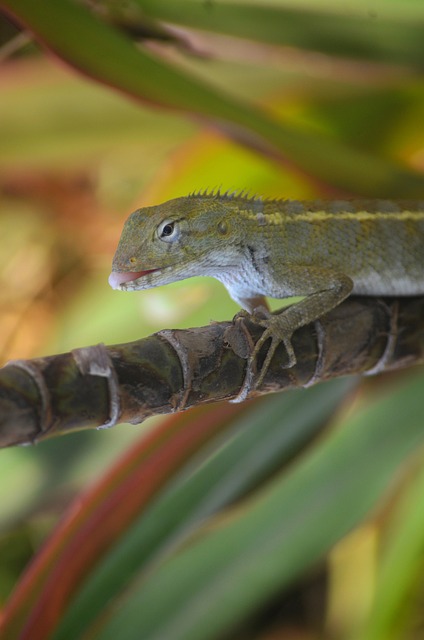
[321,250]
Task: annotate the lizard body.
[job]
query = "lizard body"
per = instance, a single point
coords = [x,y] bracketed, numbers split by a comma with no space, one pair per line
[323,250]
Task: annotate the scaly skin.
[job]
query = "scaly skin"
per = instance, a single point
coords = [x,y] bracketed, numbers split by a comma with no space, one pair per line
[277,248]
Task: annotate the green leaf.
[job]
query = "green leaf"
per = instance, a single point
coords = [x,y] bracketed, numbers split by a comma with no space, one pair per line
[105,54]
[401,569]
[263,441]
[107,508]
[212,584]
[389,33]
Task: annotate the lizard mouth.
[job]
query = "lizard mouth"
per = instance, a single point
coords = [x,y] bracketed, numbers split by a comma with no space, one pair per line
[119,278]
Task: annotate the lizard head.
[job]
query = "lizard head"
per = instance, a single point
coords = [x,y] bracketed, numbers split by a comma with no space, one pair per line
[172,241]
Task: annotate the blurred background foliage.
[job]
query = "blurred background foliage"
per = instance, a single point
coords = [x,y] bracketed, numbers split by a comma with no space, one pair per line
[340,86]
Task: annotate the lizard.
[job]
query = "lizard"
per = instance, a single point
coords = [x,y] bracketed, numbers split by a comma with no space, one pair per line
[320,250]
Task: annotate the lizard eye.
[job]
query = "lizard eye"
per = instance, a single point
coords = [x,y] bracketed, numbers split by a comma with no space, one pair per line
[168,231]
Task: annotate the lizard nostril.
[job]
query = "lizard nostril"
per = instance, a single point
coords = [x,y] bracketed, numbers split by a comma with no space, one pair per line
[132,260]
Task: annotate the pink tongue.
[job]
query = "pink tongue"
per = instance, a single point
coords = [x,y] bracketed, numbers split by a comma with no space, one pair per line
[117,278]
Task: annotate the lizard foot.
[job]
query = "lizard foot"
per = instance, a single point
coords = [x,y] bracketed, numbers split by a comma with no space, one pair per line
[277,329]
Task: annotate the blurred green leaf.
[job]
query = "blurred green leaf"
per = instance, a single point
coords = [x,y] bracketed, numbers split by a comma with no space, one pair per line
[263,441]
[234,566]
[400,570]
[390,32]
[105,54]
[101,514]
[72,120]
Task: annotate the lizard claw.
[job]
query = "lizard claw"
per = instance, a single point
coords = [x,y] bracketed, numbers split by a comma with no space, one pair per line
[276,329]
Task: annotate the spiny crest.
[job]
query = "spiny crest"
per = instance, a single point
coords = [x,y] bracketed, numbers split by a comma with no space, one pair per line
[229,194]
[253,207]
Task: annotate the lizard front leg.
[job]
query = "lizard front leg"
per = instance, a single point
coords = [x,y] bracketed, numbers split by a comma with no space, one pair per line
[323,290]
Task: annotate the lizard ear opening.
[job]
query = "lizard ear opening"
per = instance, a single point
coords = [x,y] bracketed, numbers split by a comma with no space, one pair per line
[222,227]
[168,231]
